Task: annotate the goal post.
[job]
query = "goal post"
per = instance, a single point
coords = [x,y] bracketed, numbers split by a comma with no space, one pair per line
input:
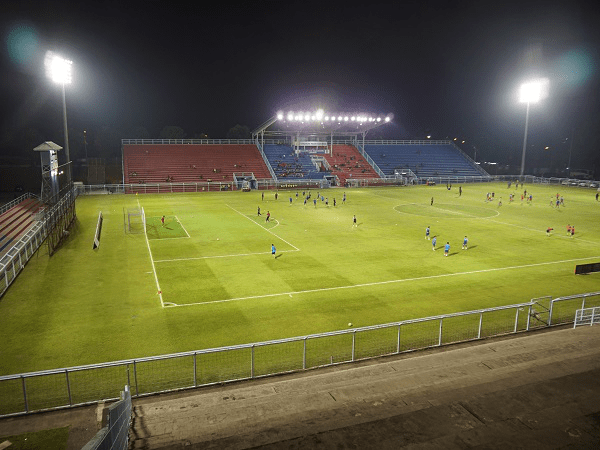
[134,220]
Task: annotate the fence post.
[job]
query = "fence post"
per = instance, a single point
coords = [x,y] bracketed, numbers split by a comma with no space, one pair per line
[252,362]
[353,344]
[25,394]
[549,313]
[304,354]
[195,371]
[135,378]
[398,343]
[516,320]
[480,325]
[440,336]
[529,315]
[68,386]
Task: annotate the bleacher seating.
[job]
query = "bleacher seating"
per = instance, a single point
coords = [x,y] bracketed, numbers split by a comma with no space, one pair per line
[16,221]
[190,163]
[347,162]
[433,160]
[287,165]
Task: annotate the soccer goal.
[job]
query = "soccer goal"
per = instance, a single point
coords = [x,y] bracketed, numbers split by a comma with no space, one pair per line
[134,220]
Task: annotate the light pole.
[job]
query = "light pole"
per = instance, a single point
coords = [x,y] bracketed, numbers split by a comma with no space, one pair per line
[531,92]
[58,70]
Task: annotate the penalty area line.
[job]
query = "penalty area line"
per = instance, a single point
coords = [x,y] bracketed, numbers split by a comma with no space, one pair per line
[266,229]
[381,283]
[219,256]
[152,261]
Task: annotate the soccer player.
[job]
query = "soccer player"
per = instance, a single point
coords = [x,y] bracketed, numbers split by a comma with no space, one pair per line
[276,195]
[573,231]
[427,233]
[433,242]
[290,199]
[431,201]
[354,221]
[259,211]
[263,196]
[273,250]
[344,198]
[162,220]
[446,248]
[548,230]
[304,201]
[268,216]
[315,202]
[334,201]
[465,243]
[568,230]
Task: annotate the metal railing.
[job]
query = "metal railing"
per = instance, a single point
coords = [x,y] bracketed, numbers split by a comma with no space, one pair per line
[15,202]
[115,435]
[60,388]
[587,316]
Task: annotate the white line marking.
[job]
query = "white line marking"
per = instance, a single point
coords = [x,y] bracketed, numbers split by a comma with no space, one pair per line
[219,256]
[179,222]
[266,229]
[380,283]
[152,261]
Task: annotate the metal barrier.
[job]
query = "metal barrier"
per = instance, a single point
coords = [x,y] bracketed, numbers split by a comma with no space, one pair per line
[115,435]
[74,386]
[587,316]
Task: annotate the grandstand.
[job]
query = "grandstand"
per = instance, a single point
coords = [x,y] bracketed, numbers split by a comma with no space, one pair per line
[424,158]
[288,164]
[189,163]
[347,162]
[16,220]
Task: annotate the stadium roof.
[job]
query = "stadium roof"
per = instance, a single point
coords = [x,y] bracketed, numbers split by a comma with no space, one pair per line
[322,123]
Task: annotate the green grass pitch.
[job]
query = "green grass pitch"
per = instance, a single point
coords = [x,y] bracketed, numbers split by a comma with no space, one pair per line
[206,278]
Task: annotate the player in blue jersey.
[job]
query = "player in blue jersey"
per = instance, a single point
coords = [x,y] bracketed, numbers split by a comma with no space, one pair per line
[273,250]
[427,233]
[433,242]
[446,248]
[465,243]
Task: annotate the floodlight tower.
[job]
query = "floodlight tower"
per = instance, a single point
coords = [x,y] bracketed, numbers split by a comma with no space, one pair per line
[58,70]
[530,92]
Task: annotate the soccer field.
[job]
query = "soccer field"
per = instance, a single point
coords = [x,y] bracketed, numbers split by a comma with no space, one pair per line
[207,278]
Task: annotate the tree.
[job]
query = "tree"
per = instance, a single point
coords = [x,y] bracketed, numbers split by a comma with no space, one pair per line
[239,132]
[172,132]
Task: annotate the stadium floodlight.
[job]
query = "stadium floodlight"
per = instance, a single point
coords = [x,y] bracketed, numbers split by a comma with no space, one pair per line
[58,69]
[279,116]
[319,114]
[531,92]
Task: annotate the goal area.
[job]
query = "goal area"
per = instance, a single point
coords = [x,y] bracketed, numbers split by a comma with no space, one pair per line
[134,220]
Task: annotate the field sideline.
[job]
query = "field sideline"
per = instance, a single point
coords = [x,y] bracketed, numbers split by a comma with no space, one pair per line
[207,277]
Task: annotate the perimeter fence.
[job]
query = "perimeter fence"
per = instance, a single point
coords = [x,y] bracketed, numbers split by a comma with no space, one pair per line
[74,386]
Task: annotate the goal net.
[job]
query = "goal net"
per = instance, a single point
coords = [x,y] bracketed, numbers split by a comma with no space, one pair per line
[134,220]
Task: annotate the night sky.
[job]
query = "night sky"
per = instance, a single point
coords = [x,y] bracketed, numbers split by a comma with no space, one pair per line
[441,69]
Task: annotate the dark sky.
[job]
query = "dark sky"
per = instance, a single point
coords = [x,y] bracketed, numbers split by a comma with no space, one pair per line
[447,68]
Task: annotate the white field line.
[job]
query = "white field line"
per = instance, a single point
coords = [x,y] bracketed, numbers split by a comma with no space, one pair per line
[381,283]
[266,229]
[153,266]
[179,222]
[559,234]
[219,256]
[458,214]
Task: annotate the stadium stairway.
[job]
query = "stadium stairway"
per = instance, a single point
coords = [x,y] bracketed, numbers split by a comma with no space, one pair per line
[16,221]
[347,162]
